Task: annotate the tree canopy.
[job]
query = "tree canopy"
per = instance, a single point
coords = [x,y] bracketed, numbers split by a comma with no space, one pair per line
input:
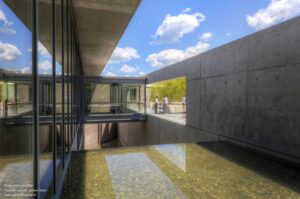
[174,89]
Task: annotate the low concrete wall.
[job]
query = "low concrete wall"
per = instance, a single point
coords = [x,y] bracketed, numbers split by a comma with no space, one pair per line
[17,139]
[97,133]
[131,134]
[162,131]
[247,91]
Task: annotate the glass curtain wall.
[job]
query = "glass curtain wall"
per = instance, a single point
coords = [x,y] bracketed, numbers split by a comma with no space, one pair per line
[16,152]
[40,111]
[114,98]
[46,96]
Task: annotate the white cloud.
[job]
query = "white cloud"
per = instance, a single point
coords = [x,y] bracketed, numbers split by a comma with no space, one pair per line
[141,73]
[228,34]
[128,69]
[276,11]
[174,28]
[8,52]
[124,55]
[6,28]
[4,19]
[186,10]
[45,65]
[171,56]
[165,57]
[25,70]
[206,36]
[197,49]
[42,50]
[110,74]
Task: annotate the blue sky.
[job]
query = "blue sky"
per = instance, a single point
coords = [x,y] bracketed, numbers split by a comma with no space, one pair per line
[161,32]
[15,45]
[152,40]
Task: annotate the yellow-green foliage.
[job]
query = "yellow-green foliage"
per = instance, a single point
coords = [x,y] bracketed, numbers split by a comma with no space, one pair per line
[174,89]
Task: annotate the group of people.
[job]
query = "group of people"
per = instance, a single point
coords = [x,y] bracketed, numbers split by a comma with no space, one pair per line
[165,105]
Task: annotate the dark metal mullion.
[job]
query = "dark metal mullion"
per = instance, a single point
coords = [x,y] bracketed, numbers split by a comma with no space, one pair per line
[68,78]
[71,61]
[35,97]
[62,84]
[73,83]
[54,94]
[145,96]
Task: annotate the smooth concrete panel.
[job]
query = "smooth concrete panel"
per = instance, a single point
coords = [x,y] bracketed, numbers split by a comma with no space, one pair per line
[151,130]
[275,46]
[274,130]
[170,132]
[161,131]
[227,59]
[197,135]
[131,133]
[193,102]
[275,88]
[193,68]
[223,104]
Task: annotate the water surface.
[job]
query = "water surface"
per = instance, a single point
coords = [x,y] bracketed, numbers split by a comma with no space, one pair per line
[208,170]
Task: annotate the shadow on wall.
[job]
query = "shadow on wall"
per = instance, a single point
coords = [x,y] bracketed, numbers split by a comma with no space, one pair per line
[96,134]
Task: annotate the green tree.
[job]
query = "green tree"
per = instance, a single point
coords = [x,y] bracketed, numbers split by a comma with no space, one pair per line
[174,89]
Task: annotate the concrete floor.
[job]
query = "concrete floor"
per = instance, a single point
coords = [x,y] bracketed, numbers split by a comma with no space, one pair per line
[173,117]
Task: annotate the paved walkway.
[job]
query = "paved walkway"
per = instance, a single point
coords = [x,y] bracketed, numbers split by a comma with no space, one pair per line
[173,117]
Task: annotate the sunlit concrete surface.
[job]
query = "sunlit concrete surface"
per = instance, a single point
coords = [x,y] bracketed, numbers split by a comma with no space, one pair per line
[179,118]
[207,170]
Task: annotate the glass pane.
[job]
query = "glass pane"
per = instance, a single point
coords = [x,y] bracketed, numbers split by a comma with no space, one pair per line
[16,163]
[65,73]
[46,95]
[58,42]
[132,98]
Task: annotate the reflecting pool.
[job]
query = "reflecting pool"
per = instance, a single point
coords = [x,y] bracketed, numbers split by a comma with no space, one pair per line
[208,170]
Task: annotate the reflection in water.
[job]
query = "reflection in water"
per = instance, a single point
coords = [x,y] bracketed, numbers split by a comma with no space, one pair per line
[212,170]
[135,175]
[18,171]
[174,152]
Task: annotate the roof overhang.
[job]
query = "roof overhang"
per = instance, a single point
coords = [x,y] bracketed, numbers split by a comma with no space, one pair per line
[100,25]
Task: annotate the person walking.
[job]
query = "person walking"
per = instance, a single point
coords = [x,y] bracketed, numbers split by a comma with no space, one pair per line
[183,104]
[166,104]
[156,104]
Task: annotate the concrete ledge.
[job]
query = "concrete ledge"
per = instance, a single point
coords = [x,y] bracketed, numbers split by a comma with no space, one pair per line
[162,131]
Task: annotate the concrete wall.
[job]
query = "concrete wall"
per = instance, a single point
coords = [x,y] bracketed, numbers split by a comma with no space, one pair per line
[161,131]
[131,134]
[17,139]
[97,133]
[247,91]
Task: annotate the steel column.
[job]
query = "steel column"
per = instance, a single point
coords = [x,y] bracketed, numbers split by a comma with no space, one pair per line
[35,97]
